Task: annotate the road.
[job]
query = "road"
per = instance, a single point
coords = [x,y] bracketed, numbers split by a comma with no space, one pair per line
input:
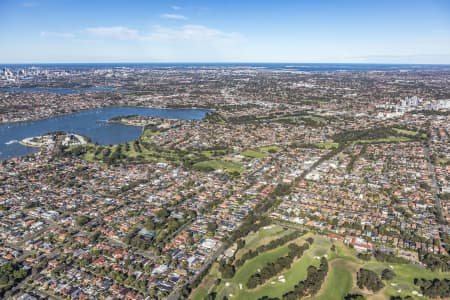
[175,295]
[434,186]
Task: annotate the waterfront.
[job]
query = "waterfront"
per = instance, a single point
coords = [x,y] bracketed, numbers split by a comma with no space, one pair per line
[92,123]
[60,91]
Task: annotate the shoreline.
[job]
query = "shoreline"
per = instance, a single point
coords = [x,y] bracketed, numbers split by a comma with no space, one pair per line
[101,107]
[27,142]
[130,120]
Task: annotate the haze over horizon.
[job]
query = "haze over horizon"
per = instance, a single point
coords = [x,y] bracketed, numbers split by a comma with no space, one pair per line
[50,31]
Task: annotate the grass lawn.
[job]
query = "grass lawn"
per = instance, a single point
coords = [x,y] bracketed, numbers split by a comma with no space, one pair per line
[269,148]
[260,152]
[327,146]
[290,119]
[216,164]
[316,119]
[404,279]
[405,132]
[214,153]
[108,154]
[343,251]
[89,156]
[199,293]
[95,153]
[148,134]
[274,288]
[207,283]
[404,136]
[254,154]
[321,246]
[389,139]
[410,133]
[338,282]
[252,241]
[295,274]
[262,237]
[251,266]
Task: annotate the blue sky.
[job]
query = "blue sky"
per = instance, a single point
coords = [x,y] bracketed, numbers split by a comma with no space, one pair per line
[360,31]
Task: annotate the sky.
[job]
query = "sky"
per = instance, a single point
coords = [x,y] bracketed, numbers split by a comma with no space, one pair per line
[297,31]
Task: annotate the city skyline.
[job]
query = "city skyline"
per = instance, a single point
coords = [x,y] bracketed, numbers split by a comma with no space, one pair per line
[416,32]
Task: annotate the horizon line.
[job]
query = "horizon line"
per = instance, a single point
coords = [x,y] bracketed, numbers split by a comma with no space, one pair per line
[223,62]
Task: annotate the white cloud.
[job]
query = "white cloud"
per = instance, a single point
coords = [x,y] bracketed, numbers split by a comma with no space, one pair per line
[28,4]
[56,34]
[175,7]
[173,17]
[185,33]
[193,33]
[115,32]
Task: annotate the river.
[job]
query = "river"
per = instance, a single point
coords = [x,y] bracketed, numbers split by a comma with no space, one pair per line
[92,123]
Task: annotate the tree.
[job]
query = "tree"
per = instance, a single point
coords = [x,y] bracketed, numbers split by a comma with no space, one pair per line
[435,288]
[162,213]
[387,274]
[4,279]
[149,224]
[240,243]
[364,256]
[311,285]
[212,227]
[436,262]
[369,279]
[354,297]
[95,236]
[227,269]
[273,268]
[82,220]
[254,281]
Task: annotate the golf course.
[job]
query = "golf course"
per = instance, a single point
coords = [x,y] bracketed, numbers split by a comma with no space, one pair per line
[340,279]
